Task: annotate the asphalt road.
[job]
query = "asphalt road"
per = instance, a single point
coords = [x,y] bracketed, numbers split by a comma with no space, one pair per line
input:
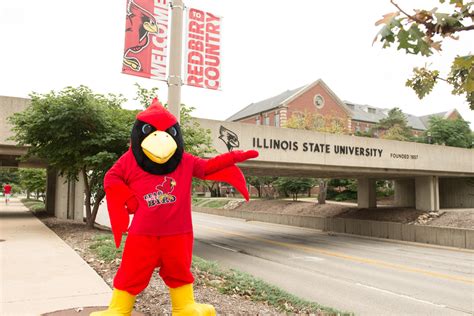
[361,275]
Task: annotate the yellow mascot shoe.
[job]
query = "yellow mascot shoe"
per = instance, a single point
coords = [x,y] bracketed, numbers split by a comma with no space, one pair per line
[182,302]
[120,305]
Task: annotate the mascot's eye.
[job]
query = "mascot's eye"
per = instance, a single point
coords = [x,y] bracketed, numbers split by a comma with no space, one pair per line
[146,129]
[173,131]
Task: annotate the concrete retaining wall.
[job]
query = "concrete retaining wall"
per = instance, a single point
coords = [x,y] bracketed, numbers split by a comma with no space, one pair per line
[443,236]
[456,193]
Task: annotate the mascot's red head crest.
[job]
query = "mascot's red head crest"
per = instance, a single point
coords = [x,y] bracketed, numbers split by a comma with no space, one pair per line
[157,115]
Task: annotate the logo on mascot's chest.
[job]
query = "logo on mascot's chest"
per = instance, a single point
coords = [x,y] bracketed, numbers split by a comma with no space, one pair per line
[162,195]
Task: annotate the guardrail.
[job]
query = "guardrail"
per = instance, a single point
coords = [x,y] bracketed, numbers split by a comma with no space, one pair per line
[443,236]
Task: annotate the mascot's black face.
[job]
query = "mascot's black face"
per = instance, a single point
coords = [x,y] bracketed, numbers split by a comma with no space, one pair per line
[157,152]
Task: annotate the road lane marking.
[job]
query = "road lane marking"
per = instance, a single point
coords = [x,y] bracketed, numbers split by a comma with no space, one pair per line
[307,258]
[346,257]
[415,299]
[400,295]
[226,248]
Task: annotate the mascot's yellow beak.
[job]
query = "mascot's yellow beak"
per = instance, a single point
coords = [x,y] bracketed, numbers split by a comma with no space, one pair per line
[159,146]
[150,27]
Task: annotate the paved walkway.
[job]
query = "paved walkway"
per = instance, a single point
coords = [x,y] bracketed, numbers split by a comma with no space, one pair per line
[38,271]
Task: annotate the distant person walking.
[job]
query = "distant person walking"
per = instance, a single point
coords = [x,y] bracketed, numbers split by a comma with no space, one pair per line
[7,190]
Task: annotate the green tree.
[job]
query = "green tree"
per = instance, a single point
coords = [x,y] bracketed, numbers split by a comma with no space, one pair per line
[33,181]
[79,133]
[342,189]
[369,134]
[394,117]
[293,186]
[9,175]
[423,32]
[450,132]
[395,126]
[259,183]
[397,132]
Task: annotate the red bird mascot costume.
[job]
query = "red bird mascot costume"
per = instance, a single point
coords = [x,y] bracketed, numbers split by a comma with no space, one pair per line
[152,180]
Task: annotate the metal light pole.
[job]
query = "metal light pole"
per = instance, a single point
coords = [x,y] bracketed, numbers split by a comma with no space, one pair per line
[176,43]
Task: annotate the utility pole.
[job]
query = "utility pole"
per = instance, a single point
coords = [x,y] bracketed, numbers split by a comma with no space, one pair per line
[176,43]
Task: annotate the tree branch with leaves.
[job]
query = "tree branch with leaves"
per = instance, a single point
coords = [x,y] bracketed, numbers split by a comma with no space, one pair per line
[423,32]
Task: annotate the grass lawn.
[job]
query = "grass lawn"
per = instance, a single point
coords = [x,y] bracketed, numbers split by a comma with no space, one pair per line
[211,202]
[33,205]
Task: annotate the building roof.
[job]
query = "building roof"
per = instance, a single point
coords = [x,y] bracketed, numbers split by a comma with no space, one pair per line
[426,118]
[372,114]
[264,105]
[357,112]
[361,112]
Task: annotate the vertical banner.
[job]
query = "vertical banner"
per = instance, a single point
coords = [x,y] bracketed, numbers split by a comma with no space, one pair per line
[203,50]
[146,39]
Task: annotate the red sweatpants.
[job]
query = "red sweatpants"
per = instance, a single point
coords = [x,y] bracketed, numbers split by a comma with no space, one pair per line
[142,254]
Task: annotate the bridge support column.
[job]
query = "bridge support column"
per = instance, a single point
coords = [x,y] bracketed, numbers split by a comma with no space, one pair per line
[366,197]
[69,199]
[427,193]
[405,192]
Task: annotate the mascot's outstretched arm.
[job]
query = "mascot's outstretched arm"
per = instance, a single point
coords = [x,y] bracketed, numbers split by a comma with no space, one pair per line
[223,168]
[121,201]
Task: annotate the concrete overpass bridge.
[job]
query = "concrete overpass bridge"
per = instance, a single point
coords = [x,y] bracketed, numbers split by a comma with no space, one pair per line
[428,177]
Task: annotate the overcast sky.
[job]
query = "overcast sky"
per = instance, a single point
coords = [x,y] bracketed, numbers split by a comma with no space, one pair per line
[267,48]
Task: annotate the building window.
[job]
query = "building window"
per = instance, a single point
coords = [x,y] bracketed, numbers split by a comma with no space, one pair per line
[277,119]
[371,110]
[318,101]
[257,121]
[357,129]
[266,120]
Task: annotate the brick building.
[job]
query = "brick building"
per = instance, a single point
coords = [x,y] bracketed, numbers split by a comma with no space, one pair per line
[319,99]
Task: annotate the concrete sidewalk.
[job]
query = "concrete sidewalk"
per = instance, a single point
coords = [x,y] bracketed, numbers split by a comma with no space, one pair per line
[38,271]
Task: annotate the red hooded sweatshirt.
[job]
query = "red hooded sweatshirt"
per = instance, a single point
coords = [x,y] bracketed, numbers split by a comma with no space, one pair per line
[164,201]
